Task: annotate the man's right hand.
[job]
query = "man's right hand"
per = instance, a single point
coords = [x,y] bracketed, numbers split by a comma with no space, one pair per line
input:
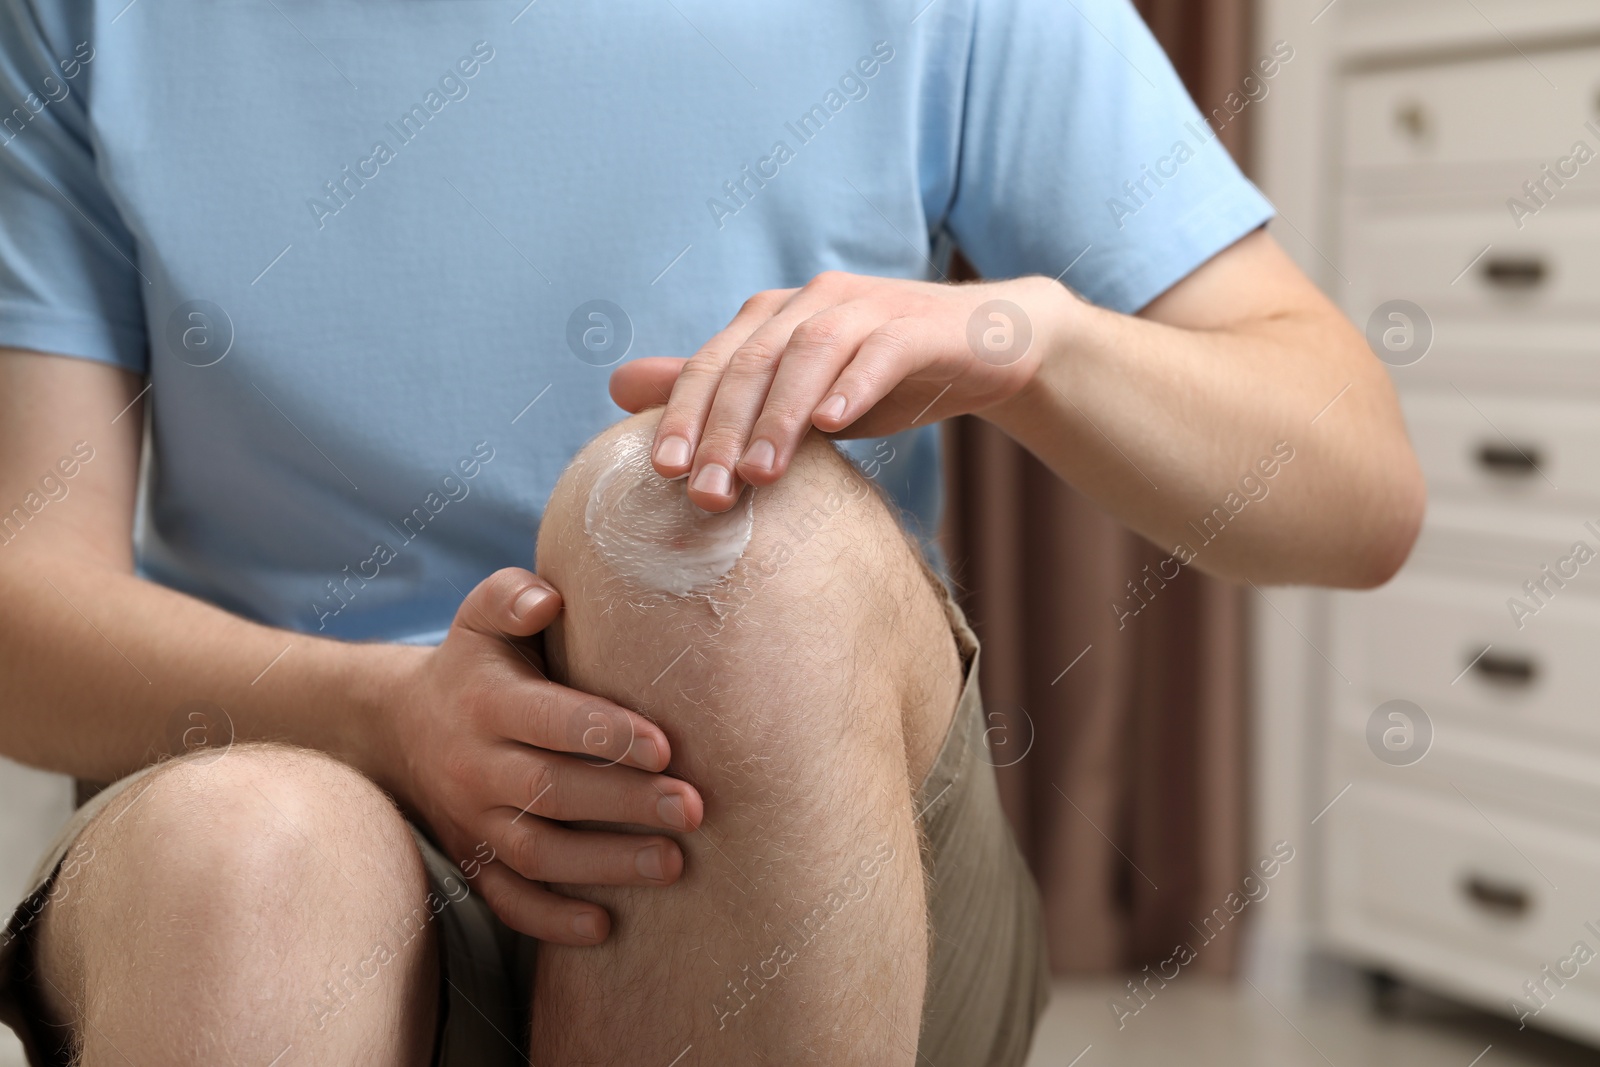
[495,758]
[468,736]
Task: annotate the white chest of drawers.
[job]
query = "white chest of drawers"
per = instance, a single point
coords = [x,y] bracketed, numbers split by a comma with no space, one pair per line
[1400,158]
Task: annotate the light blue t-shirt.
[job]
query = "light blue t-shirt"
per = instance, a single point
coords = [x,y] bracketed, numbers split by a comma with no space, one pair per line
[377,259]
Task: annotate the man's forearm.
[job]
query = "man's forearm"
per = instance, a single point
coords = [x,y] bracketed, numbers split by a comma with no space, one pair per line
[100,665]
[1174,432]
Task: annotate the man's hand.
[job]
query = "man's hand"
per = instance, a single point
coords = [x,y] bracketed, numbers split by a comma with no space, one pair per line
[850,355]
[495,758]
[1157,418]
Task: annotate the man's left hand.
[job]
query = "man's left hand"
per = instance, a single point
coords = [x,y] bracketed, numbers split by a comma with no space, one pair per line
[850,355]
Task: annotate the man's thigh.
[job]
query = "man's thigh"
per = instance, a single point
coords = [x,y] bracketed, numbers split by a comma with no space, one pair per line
[807,690]
[987,975]
[470,981]
[987,972]
[771,644]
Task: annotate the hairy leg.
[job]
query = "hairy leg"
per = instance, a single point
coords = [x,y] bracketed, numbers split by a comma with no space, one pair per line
[805,694]
[265,902]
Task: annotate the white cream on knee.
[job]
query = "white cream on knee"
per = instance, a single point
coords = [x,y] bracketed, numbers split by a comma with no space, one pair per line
[648,531]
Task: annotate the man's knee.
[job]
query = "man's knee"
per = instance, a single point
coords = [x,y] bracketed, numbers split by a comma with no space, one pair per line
[252,813]
[218,847]
[803,585]
[791,568]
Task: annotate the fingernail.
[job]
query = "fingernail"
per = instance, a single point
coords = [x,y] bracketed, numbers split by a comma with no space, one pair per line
[670,808]
[645,752]
[586,926]
[529,600]
[761,455]
[650,863]
[672,452]
[713,480]
[833,407]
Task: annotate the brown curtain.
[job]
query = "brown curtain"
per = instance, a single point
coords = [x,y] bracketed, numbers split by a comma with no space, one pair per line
[1130,799]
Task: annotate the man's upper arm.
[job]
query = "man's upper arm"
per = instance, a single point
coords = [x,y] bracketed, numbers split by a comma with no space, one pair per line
[1082,156]
[69,453]
[1250,280]
[70,434]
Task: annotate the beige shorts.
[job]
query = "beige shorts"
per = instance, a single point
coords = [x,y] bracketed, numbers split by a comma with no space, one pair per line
[987,975]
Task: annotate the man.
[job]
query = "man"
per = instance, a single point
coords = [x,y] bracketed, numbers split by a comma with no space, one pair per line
[364,270]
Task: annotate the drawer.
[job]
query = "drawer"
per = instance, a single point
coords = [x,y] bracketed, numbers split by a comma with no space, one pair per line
[1415,638]
[1550,269]
[1476,896]
[1484,111]
[1481,540]
[1385,28]
[1561,355]
[1518,451]
[1523,772]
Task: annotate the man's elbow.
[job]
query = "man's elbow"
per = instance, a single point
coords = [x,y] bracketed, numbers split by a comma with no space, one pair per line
[1392,531]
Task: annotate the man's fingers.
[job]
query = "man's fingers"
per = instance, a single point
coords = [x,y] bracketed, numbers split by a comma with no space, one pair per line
[532,909]
[645,383]
[741,393]
[545,851]
[818,349]
[884,360]
[559,719]
[678,434]
[509,603]
[543,784]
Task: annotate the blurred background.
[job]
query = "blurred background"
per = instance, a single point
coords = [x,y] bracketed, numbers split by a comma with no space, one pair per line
[1284,826]
[1428,753]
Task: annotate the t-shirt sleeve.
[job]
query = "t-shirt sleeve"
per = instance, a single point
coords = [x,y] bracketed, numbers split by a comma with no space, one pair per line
[69,283]
[1078,139]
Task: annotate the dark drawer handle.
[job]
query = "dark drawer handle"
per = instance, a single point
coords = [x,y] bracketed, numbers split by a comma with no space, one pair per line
[1507,669]
[1517,461]
[1518,273]
[1412,118]
[1498,898]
